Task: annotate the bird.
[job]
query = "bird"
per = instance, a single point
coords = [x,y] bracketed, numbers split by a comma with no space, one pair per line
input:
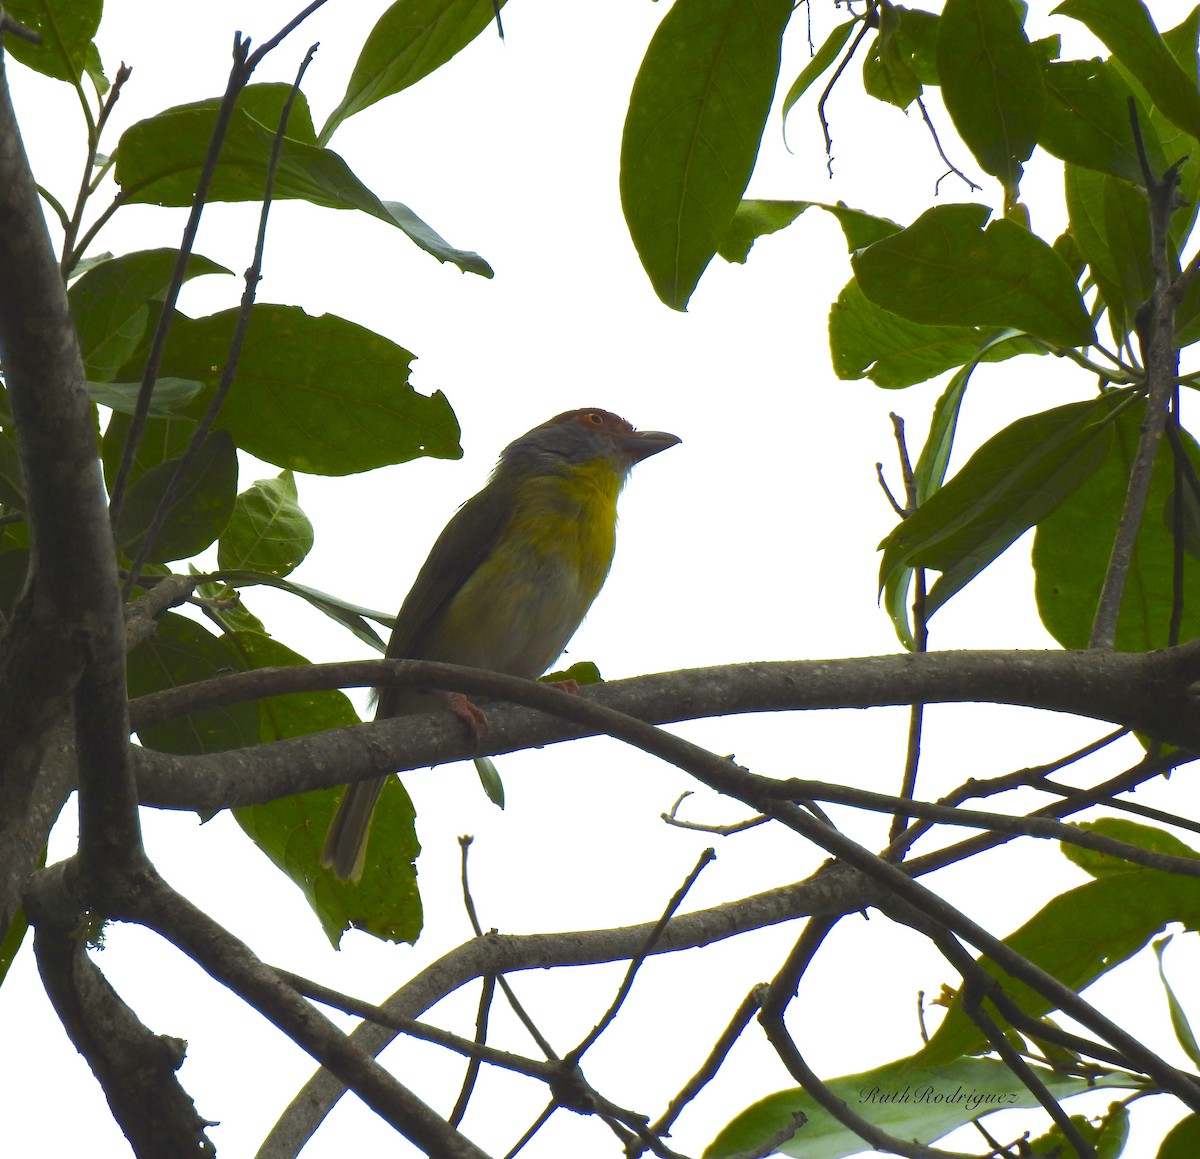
[508,581]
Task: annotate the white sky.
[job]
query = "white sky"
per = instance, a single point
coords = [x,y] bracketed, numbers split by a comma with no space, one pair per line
[753,540]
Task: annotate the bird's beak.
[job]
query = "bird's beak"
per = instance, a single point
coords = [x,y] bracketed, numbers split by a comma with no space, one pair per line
[641,445]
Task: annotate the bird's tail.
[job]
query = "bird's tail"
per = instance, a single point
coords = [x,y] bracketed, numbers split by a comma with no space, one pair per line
[346,842]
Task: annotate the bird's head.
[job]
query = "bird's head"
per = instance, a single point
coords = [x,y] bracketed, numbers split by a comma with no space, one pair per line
[584,436]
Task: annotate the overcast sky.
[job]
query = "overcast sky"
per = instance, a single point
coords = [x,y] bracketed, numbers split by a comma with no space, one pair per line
[755,539]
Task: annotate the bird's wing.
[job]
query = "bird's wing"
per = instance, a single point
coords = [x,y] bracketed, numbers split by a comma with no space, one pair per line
[465,542]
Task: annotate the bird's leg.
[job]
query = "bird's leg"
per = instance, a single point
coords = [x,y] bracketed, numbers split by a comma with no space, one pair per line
[469,713]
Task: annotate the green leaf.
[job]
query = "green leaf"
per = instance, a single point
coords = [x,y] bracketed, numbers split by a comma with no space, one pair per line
[489,778]
[1107,1138]
[182,652]
[821,60]
[1126,28]
[1086,120]
[162,439]
[1179,1018]
[1014,481]
[267,531]
[907,1098]
[159,162]
[582,672]
[928,475]
[351,616]
[1072,548]
[433,243]
[917,40]
[199,512]
[110,305]
[991,84]
[13,937]
[170,395]
[754,218]
[1183,1140]
[66,30]
[866,340]
[945,269]
[291,831]
[320,395]
[1077,937]
[1110,222]
[887,73]
[409,41]
[1181,42]
[695,119]
[1132,833]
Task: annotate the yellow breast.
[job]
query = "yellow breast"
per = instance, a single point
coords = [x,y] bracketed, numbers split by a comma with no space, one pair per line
[524,602]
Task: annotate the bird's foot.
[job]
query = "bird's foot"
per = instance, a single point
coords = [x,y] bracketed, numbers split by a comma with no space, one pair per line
[571,687]
[469,713]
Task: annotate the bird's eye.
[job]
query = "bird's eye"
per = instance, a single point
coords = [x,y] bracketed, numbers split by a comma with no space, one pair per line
[594,418]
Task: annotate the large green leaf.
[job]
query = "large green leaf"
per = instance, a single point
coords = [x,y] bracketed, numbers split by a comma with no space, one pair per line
[159,162]
[991,84]
[291,831]
[1086,120]
[908,1098]
[1183,1140]
[182,652]
[865,340]
[66,29]
[695,119]
[1126,28]
[320,395]
[197,514]
[946,269]
[268,531]
[409,41]
[1013,482]
[111,305]
[1072,548]
[1077,937]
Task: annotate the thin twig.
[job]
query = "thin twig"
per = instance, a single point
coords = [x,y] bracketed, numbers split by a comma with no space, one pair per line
[972,997]
[239,75]
[635,963]
[253,276]
[1156,331]
[86,185]
[708,1069]
[673,819]
[486,994]
[540,1039]
[937,144]
[916,714]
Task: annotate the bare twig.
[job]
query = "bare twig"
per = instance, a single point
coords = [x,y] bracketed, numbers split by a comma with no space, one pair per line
[253,275]
[709,1068]
[518,1009]
[1156,331]
[636,961]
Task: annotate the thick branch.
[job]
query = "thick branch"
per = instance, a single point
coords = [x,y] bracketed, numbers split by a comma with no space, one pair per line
[1150,692]
[69,621]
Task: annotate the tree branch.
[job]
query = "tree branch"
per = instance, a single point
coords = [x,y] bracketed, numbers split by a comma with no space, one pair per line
[1151,692]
